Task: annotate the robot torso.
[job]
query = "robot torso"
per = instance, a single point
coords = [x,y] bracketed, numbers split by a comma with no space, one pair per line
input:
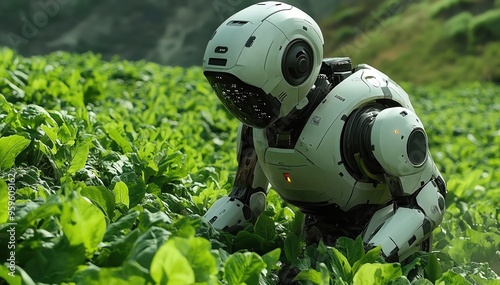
[311,173]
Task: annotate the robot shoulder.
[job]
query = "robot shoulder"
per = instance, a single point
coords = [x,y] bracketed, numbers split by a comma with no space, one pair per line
[363,87]
[332,115]
[380,83]
[366,84]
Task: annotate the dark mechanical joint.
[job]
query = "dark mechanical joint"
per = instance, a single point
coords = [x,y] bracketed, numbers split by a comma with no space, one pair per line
[441,184]
[285,132]
[357,147]
[244,194]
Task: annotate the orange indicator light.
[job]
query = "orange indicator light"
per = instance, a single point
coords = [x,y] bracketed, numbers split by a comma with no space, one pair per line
[396,132]
[287,177]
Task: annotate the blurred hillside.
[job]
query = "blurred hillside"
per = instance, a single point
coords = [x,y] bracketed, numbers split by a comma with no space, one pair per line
[427,41]
[441,42]
[172,32]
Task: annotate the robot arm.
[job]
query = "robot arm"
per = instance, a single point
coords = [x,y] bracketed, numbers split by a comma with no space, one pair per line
[247,200]
[398,144]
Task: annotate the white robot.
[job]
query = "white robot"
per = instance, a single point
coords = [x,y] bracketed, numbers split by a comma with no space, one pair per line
[342,144]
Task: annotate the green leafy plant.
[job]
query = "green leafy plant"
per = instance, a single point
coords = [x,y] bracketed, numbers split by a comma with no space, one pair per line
[110,166]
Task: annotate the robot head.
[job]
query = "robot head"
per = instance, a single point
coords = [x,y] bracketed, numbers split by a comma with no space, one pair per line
[263,61]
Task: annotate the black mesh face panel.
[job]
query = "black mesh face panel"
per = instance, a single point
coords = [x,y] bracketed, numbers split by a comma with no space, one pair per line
[251,105]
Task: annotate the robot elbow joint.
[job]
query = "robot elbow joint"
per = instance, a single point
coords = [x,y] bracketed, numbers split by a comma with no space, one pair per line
[432,203]
[399,141]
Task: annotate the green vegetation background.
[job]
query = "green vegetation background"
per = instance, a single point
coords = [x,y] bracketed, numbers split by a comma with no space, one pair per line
[114,162]
[437,42]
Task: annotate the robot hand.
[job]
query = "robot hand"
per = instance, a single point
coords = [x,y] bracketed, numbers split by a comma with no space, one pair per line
[230,213]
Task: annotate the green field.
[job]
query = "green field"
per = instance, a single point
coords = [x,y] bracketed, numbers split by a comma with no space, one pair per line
[106,168]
